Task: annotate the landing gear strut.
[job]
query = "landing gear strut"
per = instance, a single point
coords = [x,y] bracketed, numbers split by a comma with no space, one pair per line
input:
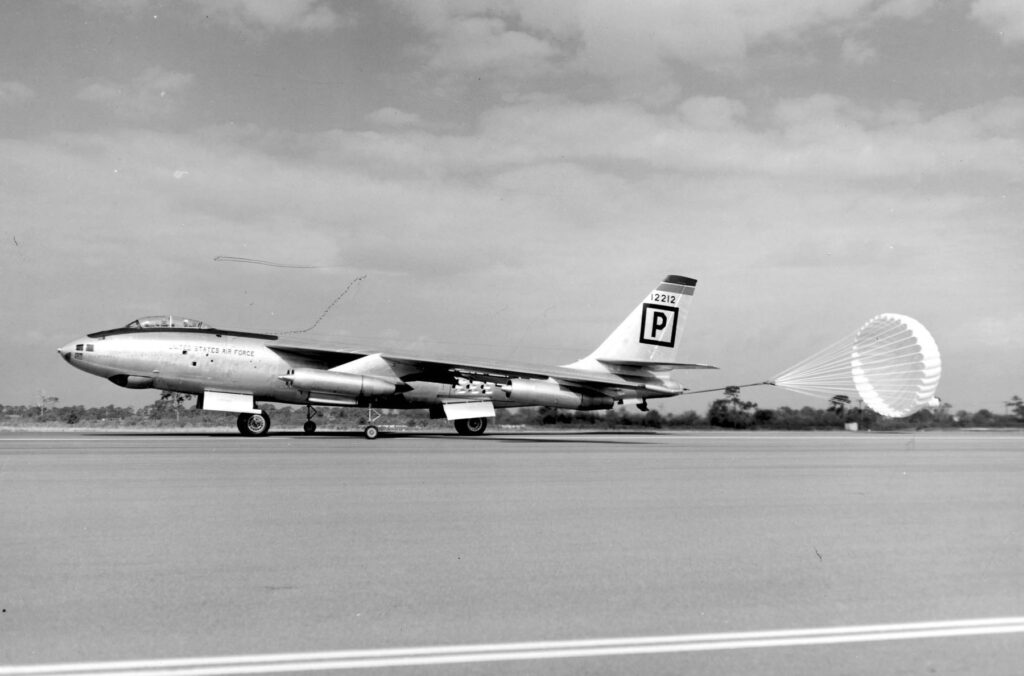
[372,416]
[309,427]
[253,424]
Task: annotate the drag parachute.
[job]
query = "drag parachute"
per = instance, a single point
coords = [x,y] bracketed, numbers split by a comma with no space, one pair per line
[895,365]
[892,363]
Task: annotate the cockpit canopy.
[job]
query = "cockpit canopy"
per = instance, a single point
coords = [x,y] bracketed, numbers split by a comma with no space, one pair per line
[167,322]
[171,323]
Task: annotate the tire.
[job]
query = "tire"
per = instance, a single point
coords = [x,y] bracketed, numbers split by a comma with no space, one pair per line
[371,432]
[309,427]
[253,424]
[472,427]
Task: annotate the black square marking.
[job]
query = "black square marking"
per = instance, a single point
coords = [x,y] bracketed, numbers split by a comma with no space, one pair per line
[658,325]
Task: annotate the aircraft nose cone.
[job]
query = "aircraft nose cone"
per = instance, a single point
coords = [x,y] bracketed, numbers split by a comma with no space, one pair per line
[66,351]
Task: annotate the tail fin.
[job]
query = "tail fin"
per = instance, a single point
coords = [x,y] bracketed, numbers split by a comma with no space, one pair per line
[650,336]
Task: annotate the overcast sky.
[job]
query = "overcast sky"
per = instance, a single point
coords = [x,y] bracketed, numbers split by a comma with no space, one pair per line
[512,177]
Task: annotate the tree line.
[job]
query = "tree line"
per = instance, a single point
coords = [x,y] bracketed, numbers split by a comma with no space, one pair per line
[730,411]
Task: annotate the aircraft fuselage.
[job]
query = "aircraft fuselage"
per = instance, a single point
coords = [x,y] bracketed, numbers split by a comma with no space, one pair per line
[199,362]
[233,370]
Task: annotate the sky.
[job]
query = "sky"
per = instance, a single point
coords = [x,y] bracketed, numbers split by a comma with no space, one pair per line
[508,179]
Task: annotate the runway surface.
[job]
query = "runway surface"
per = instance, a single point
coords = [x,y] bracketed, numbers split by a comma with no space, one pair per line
[512,553]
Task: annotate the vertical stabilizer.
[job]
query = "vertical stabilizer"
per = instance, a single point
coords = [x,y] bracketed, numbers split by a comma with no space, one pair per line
[650,336]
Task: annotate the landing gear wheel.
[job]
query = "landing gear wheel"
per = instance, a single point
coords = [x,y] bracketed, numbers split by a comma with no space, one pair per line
[371,432]
[472,427]
[253,424]
[309,427]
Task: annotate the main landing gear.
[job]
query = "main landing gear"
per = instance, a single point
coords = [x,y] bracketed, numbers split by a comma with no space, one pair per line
[472,427]
[258,424]
[253,424]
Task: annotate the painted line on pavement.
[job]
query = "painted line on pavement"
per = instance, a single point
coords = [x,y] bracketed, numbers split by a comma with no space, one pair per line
[538,650]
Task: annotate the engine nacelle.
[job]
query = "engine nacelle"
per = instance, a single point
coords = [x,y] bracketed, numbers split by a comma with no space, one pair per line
[132,382]
[547,393]
[332,382]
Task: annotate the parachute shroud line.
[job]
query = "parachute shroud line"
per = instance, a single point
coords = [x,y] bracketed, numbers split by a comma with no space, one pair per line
[892,362]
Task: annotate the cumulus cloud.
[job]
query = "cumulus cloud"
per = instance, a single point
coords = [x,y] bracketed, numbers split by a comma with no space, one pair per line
[13,93]
[714,33]
[903,9]
[548,185]
[484,43]
[712,111]
[152,94]
[272,15]
[858,52]
[393,117]
[1005,17]
[603,38]
[807,137]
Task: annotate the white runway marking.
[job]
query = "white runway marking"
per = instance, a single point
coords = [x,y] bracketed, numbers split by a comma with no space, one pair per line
[541,650]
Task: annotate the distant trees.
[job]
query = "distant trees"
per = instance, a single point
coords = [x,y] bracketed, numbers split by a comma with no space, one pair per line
[729,412]
[170,401]
[1016,407]
[839,404]
[983,418]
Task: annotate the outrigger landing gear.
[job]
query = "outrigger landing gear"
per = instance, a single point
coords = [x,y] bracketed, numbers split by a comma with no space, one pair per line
[309,427]
[372,416]
[253,424]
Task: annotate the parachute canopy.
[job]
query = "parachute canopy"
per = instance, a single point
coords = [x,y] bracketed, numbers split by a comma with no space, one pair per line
[891,362]
[895,364]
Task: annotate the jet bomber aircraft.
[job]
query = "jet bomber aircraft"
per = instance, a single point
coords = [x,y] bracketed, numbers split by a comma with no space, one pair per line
[235,371]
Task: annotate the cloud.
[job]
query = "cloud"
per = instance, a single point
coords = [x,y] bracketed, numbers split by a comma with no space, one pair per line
[554,187]
[711,112]
[153,94]
[903,9]
[808,138]
[858,52]
[1005,17]
[13,93]
[486,44]
[714,34]
[533,165]
[393,117]
[645,40]
[272,15]
[254,17]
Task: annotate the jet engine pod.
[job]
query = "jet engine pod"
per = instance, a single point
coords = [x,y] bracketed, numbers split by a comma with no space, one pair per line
[349,384]
[132,382]
[549,393]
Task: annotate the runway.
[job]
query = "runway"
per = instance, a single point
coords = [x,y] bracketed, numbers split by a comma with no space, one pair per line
[563,553]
